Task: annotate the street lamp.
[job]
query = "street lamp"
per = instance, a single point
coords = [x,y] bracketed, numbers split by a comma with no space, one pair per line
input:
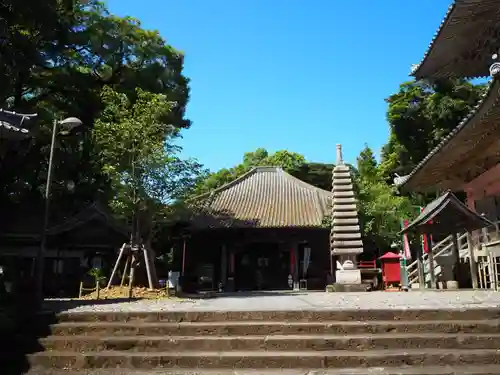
[67,126]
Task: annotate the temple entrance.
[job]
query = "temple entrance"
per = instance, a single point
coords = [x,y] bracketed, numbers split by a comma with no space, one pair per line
[262,266]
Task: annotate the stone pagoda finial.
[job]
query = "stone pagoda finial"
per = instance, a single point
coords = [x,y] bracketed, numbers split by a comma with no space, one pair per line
[340,160]
[345,236]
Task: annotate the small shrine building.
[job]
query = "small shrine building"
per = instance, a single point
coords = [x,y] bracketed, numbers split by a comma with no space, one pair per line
[75,244]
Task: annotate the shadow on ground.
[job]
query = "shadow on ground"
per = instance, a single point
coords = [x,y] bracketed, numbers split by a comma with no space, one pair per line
[22,325]
[247,294]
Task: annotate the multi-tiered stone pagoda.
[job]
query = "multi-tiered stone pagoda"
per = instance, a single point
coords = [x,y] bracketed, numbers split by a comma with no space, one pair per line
[345,238]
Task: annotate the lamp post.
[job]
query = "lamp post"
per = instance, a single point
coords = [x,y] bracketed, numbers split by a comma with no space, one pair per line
[67,125]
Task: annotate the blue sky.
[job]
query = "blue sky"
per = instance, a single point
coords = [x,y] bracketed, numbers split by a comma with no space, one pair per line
[289,74]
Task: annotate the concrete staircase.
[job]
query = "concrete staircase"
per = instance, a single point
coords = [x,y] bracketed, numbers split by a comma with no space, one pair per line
[298,342]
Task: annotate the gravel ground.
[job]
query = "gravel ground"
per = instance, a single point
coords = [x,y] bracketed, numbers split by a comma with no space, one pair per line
[294,301]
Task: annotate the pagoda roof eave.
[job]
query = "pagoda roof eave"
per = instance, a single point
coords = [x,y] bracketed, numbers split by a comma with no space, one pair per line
[461,45]
[471,141]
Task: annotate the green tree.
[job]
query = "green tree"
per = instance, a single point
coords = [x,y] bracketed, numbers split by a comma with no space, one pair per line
[57,56]
[367,164]
[257,157]
[289,161]
[380,208]
[420,114]
[316,174]
[138,154]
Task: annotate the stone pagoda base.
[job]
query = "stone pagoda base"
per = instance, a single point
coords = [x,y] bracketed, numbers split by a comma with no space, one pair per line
[349,281]
[352,276]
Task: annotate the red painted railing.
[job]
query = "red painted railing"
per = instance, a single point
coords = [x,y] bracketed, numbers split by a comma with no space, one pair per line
[367,264]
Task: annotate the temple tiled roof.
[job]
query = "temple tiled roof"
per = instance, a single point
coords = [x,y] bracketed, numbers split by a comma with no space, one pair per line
[470,148]
[464,43]
[265,197]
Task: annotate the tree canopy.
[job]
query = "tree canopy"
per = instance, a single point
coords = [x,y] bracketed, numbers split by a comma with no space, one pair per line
[420,114]
[138,155]
[57,58]
[380,208]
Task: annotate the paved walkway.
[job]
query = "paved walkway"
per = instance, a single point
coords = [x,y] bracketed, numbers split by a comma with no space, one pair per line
[295,301]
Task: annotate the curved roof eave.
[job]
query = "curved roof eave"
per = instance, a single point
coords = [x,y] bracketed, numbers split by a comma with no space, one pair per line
[225,186]
[465,25]
[493,89]
[416,68]
[251,172]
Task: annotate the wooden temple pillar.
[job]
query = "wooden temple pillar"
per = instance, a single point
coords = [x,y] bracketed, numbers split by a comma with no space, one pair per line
[295,256]
[455,254]
[471,203]
[184,255]
[420,268]
[230,284]
[430,261]
[472,261]
[223,266]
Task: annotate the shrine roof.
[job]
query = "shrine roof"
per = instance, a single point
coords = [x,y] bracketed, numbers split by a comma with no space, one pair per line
[390,255]
[464,43]
[8,131]
[446,215]
[264,197]
[468,150]
[23,222]
[93,212]
[15,126]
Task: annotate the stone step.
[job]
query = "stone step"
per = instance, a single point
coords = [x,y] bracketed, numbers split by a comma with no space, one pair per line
[427,370]
[276,316]
[269,328]
[270,343]
[260,360]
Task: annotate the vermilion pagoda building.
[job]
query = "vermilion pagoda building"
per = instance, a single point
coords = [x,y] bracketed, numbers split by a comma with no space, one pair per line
[466,45]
